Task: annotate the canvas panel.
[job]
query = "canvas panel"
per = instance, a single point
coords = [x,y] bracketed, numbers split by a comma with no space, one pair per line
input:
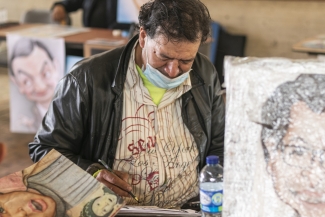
[56,187]
[253,187]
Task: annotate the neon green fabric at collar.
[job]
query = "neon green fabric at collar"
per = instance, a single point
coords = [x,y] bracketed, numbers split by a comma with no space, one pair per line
[156,93]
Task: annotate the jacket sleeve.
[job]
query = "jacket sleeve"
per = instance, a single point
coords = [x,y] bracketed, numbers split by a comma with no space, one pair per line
[70,5]
[64,124]
[217,121]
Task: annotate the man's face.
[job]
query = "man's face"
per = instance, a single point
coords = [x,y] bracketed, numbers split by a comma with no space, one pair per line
[26,204]
[104,204]
[36,76]
[171,59]
[298,171]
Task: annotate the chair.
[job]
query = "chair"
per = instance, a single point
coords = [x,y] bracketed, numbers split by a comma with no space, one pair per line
[36,16]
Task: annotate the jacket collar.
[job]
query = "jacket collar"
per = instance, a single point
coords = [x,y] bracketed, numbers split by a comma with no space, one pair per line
[121,70]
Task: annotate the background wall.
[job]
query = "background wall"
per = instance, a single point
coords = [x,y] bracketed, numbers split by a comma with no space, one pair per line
[272,27]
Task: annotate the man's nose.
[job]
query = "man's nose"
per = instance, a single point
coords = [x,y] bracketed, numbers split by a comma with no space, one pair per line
[314,175]
[39,85]
[172,68]
[20,212]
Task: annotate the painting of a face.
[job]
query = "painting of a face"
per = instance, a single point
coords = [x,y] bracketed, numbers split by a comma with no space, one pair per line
[26,204]
[36,75]
[298,170]
[104,204]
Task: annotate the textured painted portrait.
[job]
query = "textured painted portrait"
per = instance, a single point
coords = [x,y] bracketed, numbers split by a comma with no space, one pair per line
[275,137]
[56,187]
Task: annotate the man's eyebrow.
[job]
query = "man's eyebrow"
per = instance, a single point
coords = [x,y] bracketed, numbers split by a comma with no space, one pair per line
[25,73]
[167,57]
[297,138]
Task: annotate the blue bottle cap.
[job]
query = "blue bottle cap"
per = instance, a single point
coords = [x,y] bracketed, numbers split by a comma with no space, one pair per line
[212,159]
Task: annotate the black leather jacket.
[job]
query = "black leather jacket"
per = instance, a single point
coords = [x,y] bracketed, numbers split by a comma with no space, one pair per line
[84,120]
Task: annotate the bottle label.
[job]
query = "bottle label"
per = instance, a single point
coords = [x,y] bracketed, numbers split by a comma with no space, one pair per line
[211,201]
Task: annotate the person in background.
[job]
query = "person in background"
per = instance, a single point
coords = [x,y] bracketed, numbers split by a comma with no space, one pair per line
[152,110]
[293,142]
[96,13]
[35,72]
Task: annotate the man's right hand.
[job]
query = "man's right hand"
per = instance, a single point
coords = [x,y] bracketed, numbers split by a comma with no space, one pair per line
[116,181]
[59,14]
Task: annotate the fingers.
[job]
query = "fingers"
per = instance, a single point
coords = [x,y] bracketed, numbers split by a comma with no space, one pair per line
[123,175]
[114,182]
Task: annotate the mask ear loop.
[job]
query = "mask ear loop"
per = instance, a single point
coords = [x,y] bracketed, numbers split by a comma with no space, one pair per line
[147,59]
[147,50]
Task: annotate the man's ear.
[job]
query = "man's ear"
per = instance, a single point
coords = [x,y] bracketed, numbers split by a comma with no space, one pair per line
[14,81]
[270,148]
[142,37]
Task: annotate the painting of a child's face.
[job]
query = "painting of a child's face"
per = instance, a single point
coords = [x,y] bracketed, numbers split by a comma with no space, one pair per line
[104,204]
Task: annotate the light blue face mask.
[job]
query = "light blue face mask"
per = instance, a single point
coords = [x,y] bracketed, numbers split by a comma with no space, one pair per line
[160,80]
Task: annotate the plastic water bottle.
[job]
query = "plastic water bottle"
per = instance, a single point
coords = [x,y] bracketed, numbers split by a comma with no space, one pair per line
[211,187]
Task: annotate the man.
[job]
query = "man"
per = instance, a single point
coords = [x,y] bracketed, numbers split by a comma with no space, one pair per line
[294,144]
[151,110]
[35,72]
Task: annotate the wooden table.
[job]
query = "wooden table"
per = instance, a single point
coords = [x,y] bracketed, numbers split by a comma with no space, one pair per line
[73,41]
[313,45]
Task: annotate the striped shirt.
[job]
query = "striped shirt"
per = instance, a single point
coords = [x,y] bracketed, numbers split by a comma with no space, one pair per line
[155,147]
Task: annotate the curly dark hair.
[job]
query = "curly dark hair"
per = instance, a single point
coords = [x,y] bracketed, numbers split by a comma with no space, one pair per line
[178,20]
[308,88]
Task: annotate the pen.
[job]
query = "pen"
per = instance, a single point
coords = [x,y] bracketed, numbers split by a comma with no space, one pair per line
[109,169]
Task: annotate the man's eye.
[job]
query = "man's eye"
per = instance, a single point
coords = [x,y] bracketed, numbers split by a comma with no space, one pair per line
[186,61]
[163,59]
[46,74]
[2,210]
[298,151]
[27,82]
